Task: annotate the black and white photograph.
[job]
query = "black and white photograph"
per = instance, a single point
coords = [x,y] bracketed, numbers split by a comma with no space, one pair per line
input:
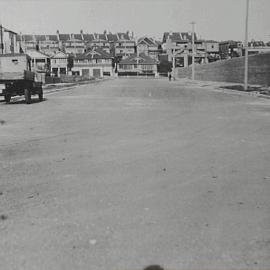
[134,134]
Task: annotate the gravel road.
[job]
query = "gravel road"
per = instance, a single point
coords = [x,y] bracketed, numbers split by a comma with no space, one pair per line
[131,172]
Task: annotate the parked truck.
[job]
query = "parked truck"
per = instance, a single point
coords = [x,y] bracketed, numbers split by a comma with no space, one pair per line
[19,80]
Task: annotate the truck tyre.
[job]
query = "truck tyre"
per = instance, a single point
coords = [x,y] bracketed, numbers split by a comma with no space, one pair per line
[27,95]
[40,95]
[7,98]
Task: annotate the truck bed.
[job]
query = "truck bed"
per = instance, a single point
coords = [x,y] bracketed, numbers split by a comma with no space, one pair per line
[16,76]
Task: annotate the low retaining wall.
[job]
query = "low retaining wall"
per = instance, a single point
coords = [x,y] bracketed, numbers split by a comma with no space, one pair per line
[232,70]
[67,79]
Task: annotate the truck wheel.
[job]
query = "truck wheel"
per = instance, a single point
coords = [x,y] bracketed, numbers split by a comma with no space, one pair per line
[7,98]
[40,95]
[27,95]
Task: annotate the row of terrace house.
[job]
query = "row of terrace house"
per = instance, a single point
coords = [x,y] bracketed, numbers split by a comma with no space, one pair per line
[120,44]
[178,46]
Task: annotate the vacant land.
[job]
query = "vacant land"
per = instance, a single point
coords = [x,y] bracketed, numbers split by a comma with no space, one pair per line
[132,172]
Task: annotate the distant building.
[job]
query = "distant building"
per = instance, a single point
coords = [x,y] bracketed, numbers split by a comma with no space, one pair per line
[211,49]
[148,46]
[137,65]
[230,49]
[71,43]
[59,64]
[177,42]
[124,46]
[48,44]
[8,41]
[258,47]
[178,46]
[99,41]
[39,61]
[95,63]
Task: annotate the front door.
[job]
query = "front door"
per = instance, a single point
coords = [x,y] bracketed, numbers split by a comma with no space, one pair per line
[85,73]
[96,73]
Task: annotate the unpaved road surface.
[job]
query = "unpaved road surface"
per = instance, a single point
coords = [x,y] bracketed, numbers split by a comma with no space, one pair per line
[131,172]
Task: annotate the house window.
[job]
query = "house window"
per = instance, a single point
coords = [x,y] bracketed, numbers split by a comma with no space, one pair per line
[63,71]
[147,67]
[40,60]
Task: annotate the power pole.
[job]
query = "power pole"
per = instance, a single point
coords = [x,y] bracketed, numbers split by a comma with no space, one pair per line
[193,52]
[1,39]
[246,49]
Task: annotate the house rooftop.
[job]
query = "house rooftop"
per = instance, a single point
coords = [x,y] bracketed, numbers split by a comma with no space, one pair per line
[36,54]
[88,37]
[112,37]
[94,54]
[64,37]
[98,36]
[141,59]
[123,36]
[52,37]
[78,36]
[178,36]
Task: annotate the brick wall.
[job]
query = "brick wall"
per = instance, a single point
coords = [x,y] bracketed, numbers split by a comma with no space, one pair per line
[232,70]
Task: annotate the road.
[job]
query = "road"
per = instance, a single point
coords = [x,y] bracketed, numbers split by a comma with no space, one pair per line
[126,173]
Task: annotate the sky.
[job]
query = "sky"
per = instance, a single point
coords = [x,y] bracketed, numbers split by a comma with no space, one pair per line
[215,19]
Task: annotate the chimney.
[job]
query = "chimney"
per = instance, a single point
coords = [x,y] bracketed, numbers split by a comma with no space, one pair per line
[81,32]
[57,33]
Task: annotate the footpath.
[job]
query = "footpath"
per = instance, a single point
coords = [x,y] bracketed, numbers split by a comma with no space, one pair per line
[253,90]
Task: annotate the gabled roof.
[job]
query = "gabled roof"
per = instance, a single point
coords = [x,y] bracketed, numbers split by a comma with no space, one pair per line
[27,38]
[88,37]
[99,36]
[64,37]
[178,36]
[60,54]
[123,36]
[40,37]
[148,41]
[8,30]
[36,54]
[52,37]
[141,59]
[95,54]
[78,36]
[112,37]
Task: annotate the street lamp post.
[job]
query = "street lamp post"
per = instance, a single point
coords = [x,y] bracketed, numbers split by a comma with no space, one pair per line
[246,49]
[193,53]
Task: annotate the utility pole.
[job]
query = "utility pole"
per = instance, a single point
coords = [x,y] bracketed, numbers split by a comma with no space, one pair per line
[1,39]
[246,49]
[137,60]
[193,52]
